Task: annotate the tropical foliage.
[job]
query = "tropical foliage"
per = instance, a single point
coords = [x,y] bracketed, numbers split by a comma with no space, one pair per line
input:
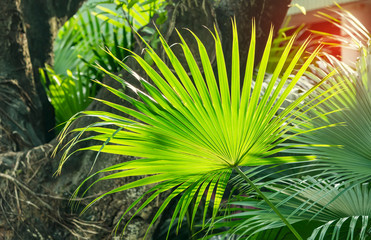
[284,34]
[68,94]
[329,198]
[81,44]
[195,132]
[318,209]
[186,121]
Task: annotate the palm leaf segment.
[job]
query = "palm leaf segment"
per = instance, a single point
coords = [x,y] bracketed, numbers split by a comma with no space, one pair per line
[322,210]
[193,129]
[351,107]
[352,161]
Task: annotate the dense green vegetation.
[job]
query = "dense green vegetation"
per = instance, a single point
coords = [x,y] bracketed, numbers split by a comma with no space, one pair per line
[271,158]
[81,45]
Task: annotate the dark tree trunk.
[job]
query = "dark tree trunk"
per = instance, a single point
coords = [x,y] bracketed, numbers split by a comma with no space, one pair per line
[33,203]
[20,111]
[43,18]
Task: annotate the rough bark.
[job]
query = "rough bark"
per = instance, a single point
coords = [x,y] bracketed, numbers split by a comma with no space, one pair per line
[28,29]
[20,103]
[33,203]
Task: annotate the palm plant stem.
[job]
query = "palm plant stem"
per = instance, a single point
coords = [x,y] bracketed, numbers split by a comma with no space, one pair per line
[238,170]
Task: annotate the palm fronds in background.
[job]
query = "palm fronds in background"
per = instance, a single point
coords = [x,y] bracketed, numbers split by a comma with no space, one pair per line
[351,107]
[68,94]
[81,44]
[318,209]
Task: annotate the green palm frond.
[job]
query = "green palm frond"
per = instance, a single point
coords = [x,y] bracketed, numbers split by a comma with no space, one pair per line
[193,129]
[349,110]
[351,160]
[78,46]
[66,47]
[68,94]
[317,207]
[81,41]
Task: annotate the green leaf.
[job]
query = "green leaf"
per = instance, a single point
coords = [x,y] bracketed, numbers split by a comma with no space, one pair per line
[190,130]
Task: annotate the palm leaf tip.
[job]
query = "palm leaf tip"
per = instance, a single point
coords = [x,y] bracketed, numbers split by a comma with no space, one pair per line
[193,128]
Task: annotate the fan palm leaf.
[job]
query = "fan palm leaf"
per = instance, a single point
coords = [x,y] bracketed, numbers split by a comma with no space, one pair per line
[192,129]
[319,209]
[351,107]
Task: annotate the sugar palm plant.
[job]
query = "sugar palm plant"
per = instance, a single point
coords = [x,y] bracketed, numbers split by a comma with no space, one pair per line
[193,129]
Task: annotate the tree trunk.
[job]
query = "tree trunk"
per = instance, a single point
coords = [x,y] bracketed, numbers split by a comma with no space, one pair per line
[33,203]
